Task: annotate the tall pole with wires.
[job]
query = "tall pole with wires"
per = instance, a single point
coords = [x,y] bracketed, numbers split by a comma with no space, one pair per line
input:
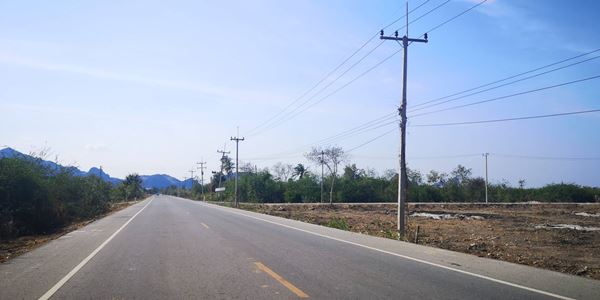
[202,167]
[322,165]
[192,178]
[402,178]
[237,140]
[486,176]
[223,154]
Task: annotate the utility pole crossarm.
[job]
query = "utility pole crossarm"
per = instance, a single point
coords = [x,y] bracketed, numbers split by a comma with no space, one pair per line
[393,38]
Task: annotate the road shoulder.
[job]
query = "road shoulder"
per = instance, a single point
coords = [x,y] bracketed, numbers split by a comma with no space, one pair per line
[34,273]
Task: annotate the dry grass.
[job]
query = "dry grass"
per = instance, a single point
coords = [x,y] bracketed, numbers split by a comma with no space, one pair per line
[15,247]
[506,232]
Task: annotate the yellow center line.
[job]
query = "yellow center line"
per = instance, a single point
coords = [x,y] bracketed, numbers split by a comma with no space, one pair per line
[205,226]
[281,280]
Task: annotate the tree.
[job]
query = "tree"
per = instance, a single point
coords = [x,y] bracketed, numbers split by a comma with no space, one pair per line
[331,157]
[299,171]
[353,172]
[462,174]
[389,174]
[282,171]
[436,178]
[414,177]
[133,186]
[227,165]
[247,168]
[305,189]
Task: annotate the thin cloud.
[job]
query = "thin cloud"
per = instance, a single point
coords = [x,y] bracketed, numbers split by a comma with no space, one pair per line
[213,92]
[96,147]
[102,74]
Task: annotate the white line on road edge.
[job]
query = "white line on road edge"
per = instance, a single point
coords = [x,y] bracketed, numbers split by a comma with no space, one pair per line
[64,280]
[399,255]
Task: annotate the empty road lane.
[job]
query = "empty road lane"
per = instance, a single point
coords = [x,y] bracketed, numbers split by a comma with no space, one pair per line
[171,248]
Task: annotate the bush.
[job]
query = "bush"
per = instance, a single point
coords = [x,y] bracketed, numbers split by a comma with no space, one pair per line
[337,223]
[35,199]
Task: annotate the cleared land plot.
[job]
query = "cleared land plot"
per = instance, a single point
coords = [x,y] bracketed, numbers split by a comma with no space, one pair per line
[559,237]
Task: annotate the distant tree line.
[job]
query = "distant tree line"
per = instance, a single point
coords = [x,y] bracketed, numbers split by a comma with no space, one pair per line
[38,199]
[296,184]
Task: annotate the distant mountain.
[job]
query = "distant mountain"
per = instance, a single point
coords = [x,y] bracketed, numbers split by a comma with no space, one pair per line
[158,181]
[12,153]
[100,173]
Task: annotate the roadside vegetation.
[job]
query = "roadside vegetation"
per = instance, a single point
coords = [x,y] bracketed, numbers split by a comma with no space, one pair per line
[38,199]
[301,184]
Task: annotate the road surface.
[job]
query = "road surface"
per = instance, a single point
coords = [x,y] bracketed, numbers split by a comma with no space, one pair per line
[171,248]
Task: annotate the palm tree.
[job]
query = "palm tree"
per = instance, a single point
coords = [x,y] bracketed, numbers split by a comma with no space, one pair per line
[299,171]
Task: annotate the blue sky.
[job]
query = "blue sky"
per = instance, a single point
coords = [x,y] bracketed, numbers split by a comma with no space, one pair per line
[153,87]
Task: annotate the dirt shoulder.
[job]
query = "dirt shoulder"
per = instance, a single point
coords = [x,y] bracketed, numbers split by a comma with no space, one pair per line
[15,247]
[559,237]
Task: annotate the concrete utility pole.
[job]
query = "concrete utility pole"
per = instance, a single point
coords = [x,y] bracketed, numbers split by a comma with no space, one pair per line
[486,177]
[202,167]
[222,156]
[192,178]
[403,179]
[237,151]
[322,164]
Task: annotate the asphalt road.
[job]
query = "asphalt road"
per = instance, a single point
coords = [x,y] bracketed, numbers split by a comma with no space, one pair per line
[172,248]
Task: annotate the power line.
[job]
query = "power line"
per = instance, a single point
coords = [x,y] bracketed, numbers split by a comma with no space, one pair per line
[546,157]
[505,84]
[446,156]
[372,127]
[253,130]
[375,66]
[506,78]
[290,115]
[284,118]
[393,54]
[371,140]
[456,16]
[508,119]
[517,156]
[403,16]
[314,86]
[368,126]
[507,96]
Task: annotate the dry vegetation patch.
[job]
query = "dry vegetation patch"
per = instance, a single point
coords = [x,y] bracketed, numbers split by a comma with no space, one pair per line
[520,233]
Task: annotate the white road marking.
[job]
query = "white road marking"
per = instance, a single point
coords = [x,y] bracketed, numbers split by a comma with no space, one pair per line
[230,210]
[64,280]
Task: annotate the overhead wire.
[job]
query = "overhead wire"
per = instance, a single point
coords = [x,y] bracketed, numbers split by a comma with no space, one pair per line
[393,54]
[506,78]
[507,119]
[503,85]
[546,157]
[507,96]
[294,112]
[253,130]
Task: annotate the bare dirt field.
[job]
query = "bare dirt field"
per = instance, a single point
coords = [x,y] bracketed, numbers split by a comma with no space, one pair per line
[559,237]
[15,247]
